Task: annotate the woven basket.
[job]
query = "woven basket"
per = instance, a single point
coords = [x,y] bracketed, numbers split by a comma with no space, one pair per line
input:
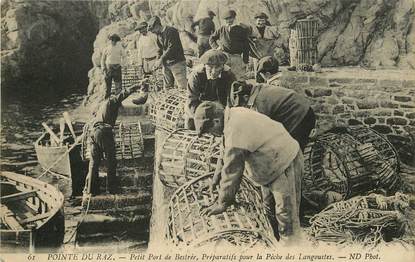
[129,142]
[185,156]
[243,224]
[350,161]
[303,43]
[167,109]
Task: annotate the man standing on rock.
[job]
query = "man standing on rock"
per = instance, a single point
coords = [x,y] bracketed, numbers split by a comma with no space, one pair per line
[272,159]
[148,49]
[210,81]
[111,61]
[102,140]
[233,40]
[206,27]
[171,54]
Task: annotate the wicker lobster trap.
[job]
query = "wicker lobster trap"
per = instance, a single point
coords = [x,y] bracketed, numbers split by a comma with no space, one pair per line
[167,109]
[303,44]
[244,224]
[129,142]
[185,156]
[130,75]
[366,220]
[346,162]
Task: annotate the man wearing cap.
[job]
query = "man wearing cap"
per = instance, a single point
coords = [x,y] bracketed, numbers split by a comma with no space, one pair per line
[111,60]
[206,27]
[147,48]
[171,55]
[263,147]
[101,140]
[210,81]
[233,39]
[283,105]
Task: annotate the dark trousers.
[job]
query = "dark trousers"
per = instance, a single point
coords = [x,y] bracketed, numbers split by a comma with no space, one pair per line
[302,132]
[103,143]
[113,73]
[203,44]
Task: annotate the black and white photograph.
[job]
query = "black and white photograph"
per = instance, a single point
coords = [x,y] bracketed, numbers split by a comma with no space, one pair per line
[207,130]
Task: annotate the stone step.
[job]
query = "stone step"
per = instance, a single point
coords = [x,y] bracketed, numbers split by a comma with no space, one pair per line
[130,109]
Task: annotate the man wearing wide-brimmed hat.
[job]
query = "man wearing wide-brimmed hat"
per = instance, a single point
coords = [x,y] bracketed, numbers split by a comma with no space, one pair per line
[147,48]
[111,61]
[210,81]
[171,54]
[206,27]
[233,39]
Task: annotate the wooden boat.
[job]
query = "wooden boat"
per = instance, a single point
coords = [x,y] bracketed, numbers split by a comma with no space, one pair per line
[55,157]
[31,213]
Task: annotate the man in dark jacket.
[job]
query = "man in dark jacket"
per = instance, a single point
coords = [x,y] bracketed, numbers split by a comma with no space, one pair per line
[280,104]
[171,55]
[210,81]
[206,27]
[102,140]
[233,39]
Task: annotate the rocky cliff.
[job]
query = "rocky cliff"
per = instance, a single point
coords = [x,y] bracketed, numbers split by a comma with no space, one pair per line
[47,44]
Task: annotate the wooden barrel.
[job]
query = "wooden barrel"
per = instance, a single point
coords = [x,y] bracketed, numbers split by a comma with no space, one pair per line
[184,156]
[167,109]
[349,161]
[303,43]
[243,224]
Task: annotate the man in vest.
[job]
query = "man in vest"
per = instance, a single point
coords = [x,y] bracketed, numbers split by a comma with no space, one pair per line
[210,81]
[147,48]
[111,61]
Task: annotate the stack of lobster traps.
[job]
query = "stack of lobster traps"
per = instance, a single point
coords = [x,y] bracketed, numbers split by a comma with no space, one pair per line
[303,44]
[347,162]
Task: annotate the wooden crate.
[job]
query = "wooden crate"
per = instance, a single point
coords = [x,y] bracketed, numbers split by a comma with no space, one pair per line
[184,156]
[303,43]
[243,224]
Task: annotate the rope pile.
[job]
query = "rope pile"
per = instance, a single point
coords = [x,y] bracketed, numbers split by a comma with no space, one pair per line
[364,220]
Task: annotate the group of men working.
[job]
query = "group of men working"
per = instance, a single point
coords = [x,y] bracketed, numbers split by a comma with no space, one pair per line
[264,127]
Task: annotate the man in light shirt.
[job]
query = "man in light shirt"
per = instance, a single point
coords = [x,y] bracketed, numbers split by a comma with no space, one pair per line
[147,49]
[271,157]
[111,61]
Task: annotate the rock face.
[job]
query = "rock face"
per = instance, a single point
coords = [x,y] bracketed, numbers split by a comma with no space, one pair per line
[47,44]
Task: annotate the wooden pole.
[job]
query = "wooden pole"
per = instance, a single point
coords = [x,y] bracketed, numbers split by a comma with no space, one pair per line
[53,137]
[69,123]
[62,129]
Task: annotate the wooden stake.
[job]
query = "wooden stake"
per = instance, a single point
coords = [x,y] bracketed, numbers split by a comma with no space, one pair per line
[62,129]
[53,137]
[69,123]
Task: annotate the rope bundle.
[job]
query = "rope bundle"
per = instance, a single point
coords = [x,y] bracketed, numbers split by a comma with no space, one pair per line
[366,220]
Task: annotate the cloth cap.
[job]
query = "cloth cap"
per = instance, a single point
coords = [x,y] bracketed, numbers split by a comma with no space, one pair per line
[211,13]
[239,89]
[214,57]
[261,15]
[141,26]
[114,37]
[229,14]
[205,113]
[155,20]
[268,64]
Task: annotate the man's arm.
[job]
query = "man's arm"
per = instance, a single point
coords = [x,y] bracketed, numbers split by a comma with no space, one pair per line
[232,171]
[213,38]
[103,58]
[140,51]
[232,78]
[193,93]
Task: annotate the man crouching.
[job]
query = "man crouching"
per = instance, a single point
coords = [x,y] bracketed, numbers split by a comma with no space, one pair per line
[271,156]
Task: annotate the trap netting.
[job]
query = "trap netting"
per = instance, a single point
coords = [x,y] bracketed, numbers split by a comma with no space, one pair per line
[243,224]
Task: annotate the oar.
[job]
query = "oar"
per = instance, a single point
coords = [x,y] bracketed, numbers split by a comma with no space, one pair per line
[53,137]
[69,123]
[78,139]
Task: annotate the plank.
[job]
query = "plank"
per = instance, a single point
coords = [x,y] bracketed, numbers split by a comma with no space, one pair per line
[18,196]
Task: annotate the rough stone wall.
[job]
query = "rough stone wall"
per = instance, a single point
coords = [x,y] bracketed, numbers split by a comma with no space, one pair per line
[383,100]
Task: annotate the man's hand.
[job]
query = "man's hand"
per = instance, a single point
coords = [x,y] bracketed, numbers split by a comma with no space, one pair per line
[105,71]
[215,180]
[219,48]
[213,209]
